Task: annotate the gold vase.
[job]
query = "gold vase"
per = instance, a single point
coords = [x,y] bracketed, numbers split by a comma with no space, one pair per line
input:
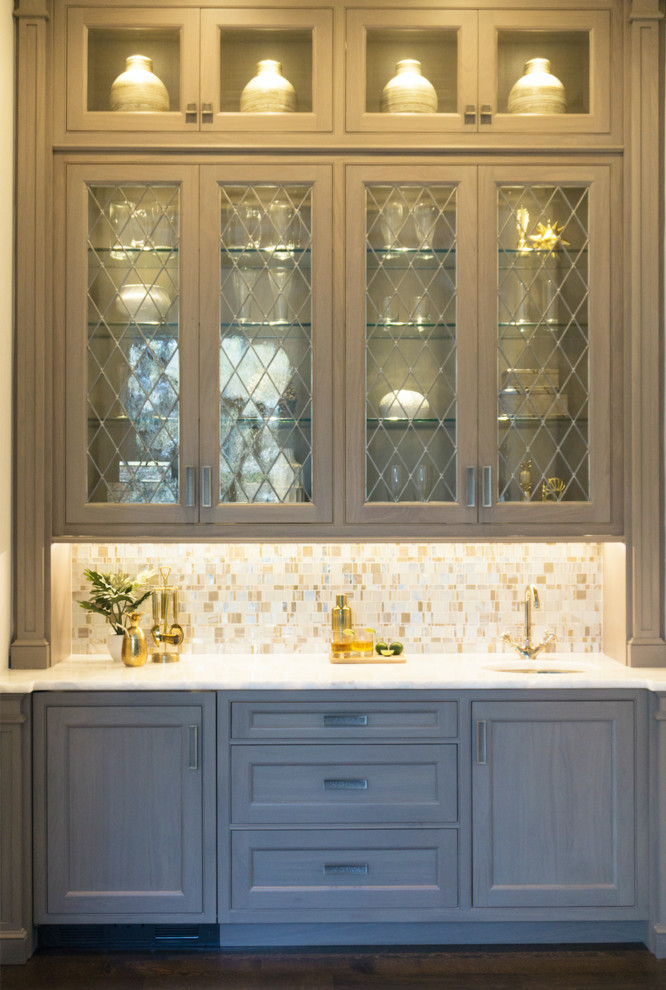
[138,89]
[268,91]
[135,648]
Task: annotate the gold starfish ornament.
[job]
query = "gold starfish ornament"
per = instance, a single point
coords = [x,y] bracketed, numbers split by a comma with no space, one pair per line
[548,236]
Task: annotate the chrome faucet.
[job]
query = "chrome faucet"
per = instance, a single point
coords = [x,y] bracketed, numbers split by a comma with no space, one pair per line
[528,649]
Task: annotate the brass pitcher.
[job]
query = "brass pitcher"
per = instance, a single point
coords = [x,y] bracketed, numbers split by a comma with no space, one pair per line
[134,650]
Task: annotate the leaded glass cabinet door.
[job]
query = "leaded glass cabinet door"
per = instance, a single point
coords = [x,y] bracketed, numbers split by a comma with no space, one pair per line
[266,348]
[131,445]
[547,345]
[411,345]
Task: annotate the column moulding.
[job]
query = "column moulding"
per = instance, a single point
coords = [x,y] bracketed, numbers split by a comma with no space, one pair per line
[31,553]
[646,645]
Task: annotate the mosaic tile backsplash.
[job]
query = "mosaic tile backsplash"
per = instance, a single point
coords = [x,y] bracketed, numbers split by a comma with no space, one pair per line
[435,598]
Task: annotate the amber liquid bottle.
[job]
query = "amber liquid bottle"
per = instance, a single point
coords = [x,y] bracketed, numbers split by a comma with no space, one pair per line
[341,618]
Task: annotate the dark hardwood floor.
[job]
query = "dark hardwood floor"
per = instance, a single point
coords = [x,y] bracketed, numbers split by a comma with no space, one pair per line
[501,968]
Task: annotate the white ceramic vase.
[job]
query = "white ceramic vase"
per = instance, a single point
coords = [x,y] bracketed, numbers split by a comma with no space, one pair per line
[138,89]
[538,91]
[408,91]
[268,91]
[114,642]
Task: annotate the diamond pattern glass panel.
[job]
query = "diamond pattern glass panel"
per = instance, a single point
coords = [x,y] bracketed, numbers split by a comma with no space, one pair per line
[411,344]
[266,343]
[543,343]
[133,373]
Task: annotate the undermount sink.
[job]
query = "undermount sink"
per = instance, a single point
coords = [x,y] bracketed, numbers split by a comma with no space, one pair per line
[536,666]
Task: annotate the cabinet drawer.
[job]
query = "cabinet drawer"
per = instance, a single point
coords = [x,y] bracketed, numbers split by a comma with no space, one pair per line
[340,720]
[356,868]
[328,784]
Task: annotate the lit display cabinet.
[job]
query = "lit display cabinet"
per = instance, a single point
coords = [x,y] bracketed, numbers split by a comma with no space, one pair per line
[480,383]
[206,62]
[475,64]
[192,385]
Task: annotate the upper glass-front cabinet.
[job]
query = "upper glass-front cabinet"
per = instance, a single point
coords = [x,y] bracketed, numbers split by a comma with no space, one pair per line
[545,405]
[521,72]
[199,355]
[411,343]
[479,383]
[184,69]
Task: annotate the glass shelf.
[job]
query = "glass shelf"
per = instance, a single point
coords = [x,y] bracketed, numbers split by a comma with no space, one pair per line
[396,258]
[406,330]
[531,421]
[403,423]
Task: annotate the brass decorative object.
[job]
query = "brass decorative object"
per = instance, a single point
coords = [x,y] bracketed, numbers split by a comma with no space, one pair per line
[548,236]
[552,489]
[166,631]
[522,223]
[134,651]
[525,479]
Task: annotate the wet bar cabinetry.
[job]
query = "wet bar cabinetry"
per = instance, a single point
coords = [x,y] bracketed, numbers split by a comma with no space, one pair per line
[268,320]
[374,807]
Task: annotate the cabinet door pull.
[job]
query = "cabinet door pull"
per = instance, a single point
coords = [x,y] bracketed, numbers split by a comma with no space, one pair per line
[471,487]
[481,743]
[194,748]
[206,113]
[190,493]
[191,113]
[356,869]
[487,486]
[205,487]
[469,117]
[486,115]
[346,784]
[345,719]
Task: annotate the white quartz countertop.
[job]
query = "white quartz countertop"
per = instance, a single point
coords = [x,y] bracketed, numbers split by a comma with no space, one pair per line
[294,671]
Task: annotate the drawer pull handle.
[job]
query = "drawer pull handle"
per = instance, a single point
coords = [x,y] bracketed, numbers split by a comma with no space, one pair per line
[356,869]
[486,115]
[345,719]
[351,784]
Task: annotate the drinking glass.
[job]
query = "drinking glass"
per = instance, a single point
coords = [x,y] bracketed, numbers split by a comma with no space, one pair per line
[244,282]
[390,222]
[422,481]
[397,479]
[425,217]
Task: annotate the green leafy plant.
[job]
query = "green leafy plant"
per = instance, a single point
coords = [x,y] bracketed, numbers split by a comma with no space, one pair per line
[115,596]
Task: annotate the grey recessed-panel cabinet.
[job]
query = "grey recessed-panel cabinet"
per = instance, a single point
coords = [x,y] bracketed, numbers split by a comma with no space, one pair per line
[124,807]
[554,799]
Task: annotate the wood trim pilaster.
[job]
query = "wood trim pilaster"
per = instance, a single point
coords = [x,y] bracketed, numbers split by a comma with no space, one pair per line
[645,562]
[16,931]
[657,926]
[31,564]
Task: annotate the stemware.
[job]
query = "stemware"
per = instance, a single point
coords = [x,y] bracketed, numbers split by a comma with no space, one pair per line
[425,217]
[390,222]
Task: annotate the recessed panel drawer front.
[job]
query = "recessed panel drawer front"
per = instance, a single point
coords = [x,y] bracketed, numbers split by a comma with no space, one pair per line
[340,720]
[355,784]
[355,868]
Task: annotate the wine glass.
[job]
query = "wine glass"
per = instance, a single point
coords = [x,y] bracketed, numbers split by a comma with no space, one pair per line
[422,481]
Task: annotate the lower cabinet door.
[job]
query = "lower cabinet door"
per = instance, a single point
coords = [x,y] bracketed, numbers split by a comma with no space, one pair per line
[124,800]
[554,804]
[297,873]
